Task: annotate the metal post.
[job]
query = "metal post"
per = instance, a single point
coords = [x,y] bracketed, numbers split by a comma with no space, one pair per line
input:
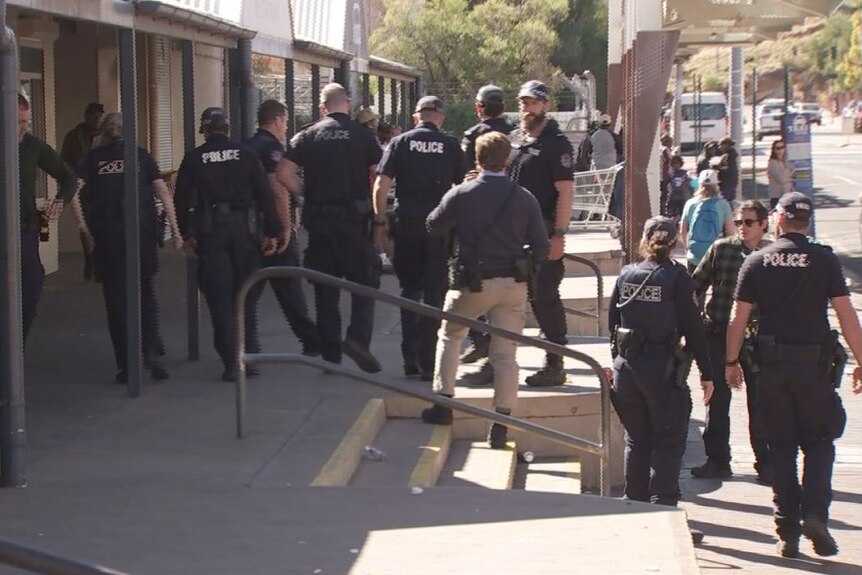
[366,90]
[393,85]
[315,92]
[677,103]
[193,310]
[248,91]
[131,199]
[381,97]
[413,99]
[405,113]
[787,93]
[698,122]
[290,97]
[754,133]
[737,87]
[13,438]
[234,92]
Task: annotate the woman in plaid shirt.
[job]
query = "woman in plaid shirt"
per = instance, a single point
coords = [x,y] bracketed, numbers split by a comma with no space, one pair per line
[718,270]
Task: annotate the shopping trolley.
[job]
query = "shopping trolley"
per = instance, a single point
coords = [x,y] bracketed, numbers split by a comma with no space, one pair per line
[591,198]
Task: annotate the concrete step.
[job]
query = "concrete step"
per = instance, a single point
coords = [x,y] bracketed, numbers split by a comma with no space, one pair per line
[550,475]
[580,293]
[402,445]
[475,464]
[609,262]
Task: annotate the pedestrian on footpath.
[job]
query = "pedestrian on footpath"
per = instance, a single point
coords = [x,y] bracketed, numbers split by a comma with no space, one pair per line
[267,144]
[705,218]
[77,143]
[337,156]
[221,189]
[780,173]
[101,219]
[493,218]
[33,153]
[490,107]
[424,163]
[543,163]
[651,307]
[791,282]
[717,272]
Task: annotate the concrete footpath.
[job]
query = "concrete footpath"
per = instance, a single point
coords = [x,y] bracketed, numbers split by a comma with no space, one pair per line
[160,484]
[736,514]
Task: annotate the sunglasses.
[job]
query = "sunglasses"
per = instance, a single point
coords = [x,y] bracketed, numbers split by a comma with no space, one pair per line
[747,222]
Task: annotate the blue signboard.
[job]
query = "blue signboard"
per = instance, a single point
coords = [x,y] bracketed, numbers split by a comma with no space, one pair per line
[797,140]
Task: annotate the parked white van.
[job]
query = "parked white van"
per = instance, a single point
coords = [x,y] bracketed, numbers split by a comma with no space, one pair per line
[711,115]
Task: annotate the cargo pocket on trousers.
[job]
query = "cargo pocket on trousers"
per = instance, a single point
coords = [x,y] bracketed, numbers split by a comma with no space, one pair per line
[839,418]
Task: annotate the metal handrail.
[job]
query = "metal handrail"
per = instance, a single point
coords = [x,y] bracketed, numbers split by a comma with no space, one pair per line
[601,449]
[36,561]
[600,292]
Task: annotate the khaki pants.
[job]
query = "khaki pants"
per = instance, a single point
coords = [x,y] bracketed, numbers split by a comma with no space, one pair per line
[504,301]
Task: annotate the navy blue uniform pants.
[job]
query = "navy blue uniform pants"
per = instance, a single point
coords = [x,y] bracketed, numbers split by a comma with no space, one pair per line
[291,299]
[716,433]
[800,409]
[341,246]
[420,262]
[547,305]
[226,258]
[110,256]
[32,276]
[756,428]
[654,412]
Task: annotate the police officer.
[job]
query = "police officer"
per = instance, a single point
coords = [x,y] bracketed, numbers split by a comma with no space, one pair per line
[337,155]
[272,125]
[651,307]
[425,163]
[221,188]
[101,219]
[790,282]
[33,153]
[490,105]
[542,163]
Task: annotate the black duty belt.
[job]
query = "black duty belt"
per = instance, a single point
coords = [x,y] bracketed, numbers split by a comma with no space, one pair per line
[792,353]
[224,208]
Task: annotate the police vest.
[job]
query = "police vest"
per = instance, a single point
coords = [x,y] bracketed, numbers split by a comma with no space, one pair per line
[646,301]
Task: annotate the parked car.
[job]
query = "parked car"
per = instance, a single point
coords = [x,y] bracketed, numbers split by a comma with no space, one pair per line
[810,111]
[769,119]
[857,123]
[850,109]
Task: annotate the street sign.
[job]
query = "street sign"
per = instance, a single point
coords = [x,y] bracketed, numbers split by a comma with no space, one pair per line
[797,140]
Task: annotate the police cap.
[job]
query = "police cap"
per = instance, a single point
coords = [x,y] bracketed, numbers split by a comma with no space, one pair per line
[490,94]
[213,118]
[535,89]
[796,206]
[661,228]
[429,103]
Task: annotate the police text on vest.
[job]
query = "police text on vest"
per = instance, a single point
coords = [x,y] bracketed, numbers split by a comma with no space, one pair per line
[426,147]
[220,156]
[785,260]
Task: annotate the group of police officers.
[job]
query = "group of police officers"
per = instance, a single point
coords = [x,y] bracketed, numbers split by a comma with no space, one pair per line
[236,210]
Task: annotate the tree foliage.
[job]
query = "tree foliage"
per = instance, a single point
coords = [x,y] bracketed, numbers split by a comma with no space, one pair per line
[849,71]
[584,42]
[462,45]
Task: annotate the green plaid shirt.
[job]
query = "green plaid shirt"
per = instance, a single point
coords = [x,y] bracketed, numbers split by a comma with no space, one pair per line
[719,269]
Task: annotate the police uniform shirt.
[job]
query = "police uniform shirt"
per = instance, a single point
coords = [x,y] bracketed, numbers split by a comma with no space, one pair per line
[537,164]
[103,170]
[268,148]
[662,310]
[425,163]
[791,311]
[336,154]
[468,142]
[221,171]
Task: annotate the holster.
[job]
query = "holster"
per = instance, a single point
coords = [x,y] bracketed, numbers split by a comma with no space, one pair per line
[683,359]
[464,275]
[629,342]
[749,355]
[837,356]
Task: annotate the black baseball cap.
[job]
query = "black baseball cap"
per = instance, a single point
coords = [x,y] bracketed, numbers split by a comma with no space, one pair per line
[490,94]
[535,89]
[661,227]
[796,206]
[432,103]
[94,107]
[213,118]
